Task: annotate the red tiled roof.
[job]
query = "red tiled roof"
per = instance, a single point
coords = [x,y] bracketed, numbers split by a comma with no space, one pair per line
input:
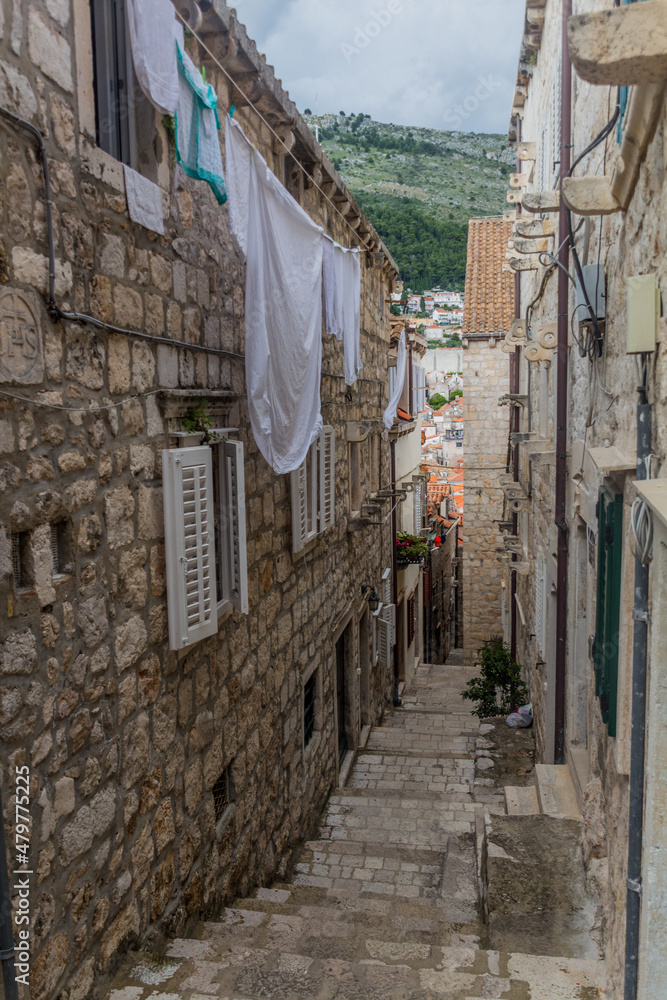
[489,294]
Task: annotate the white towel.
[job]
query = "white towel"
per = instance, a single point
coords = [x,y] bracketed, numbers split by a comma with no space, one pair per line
[153,33]
[390,412]
[283,323]
[342,304]
[144,201]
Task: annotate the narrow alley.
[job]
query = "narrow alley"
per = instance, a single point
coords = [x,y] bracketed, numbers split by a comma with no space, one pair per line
[390,900]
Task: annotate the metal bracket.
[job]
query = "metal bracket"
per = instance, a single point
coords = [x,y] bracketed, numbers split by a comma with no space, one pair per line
[634,886]
[642,616]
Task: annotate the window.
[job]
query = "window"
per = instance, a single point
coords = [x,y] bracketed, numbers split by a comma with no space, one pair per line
[313,491]
[222,793]
[230,526]
[417,502]
[61,548]
[309,709]
[20,560]
[355,475]
[418,389]
[114,80]
[610,556]
[204,530]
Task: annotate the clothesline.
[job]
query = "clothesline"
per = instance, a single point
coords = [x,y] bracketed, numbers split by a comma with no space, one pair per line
[363,248]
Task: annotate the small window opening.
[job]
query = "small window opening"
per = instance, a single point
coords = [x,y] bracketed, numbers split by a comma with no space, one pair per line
[20,561]
[222,793]
[309,709]
[61,548]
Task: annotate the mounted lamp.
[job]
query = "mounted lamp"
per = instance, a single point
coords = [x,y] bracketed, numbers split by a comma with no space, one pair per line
[373,599]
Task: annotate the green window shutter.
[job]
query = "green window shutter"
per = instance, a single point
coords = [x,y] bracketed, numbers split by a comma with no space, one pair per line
[610,558]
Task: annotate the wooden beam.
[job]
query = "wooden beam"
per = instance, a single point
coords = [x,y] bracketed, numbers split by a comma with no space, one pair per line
[541,202]
[623,46]
[590,196]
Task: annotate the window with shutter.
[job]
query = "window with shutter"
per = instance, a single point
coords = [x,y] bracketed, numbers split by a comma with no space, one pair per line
[113,80]
[610,558]
[189,545]
[231,539]
[388,614]
[418,508]
[313,491]
[384,643]
[386,586]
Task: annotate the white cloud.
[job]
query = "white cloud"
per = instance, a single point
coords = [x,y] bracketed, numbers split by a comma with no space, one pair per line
[435,63]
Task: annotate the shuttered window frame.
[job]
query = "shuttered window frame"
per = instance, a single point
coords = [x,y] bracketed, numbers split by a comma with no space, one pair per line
[313,489]
[189,545]
[233,585]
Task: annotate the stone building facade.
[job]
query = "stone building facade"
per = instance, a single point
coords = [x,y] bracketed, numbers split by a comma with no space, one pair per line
[617,196]
[488,315]
[161,783]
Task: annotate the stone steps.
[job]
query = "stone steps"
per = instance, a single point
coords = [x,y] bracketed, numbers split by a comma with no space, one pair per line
[553,794]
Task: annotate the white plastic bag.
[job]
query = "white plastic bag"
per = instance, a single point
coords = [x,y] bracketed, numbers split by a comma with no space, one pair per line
[522,718]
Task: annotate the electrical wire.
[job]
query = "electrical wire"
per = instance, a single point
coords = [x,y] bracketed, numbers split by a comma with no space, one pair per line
[79,409]
[640,531]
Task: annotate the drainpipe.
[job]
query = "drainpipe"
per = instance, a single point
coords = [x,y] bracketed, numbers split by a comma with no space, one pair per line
[561,402]
[515,381]
[6,935]
[638,739]
[394,563]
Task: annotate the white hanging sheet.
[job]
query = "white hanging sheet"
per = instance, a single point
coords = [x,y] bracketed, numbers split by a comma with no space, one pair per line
[144,201]
[283,324]
[391,410]
[342,304]
[153,33]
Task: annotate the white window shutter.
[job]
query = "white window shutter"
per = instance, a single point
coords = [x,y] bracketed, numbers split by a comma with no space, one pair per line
[388,614]
[327,450]
[384,641]
[234,499]
[386,586]
[189,545]
[418,508]
[375,635]
[299,507]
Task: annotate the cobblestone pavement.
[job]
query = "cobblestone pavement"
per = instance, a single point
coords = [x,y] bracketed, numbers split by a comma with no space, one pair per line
[384,904]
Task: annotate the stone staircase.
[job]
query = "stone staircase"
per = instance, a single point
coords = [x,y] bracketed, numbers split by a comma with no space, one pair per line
[385,903]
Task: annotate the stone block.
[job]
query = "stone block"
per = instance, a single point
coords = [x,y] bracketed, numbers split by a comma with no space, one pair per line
[151,513]
[131,640]
[64,801]
[32,268]
[125,928]
[85,358]
[49,51]
[136,744]
[76,837]
[18,653]
[93,621]
[48,966]
[143,367]
[129,307]
[119,507]
[16,92]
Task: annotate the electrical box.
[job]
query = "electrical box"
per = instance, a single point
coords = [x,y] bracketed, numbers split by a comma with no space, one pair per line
[643,313]
[596,288]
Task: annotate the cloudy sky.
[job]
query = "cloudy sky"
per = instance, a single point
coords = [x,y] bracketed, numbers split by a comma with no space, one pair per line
[447,64]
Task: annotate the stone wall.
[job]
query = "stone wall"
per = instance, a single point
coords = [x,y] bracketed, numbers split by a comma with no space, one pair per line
[125,739]
[601,414]
[486,379]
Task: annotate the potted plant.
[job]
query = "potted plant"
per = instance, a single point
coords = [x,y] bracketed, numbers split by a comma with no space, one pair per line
[410,548]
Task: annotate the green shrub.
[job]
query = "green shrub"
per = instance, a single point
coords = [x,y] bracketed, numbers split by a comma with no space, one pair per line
[499,689]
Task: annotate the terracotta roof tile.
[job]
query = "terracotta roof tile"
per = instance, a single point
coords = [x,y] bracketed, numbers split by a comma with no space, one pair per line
[489,295]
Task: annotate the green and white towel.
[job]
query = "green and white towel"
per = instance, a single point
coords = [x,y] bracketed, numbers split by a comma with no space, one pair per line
[197,124]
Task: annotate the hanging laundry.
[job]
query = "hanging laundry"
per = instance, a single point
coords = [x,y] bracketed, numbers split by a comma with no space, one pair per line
[153,34]
[144,201]
[283,323]
[197,124]
[342,303]
[392,409]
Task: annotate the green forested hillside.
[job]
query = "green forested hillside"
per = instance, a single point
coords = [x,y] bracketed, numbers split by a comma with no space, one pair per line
[419,187]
